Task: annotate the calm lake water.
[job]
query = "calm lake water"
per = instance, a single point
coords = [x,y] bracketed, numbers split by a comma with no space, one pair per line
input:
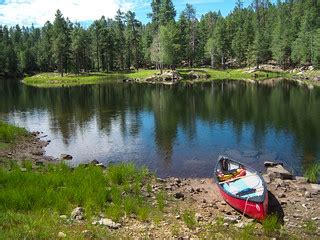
[174,130]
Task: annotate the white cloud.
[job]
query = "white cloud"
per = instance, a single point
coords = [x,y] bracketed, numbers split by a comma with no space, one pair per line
[26,12]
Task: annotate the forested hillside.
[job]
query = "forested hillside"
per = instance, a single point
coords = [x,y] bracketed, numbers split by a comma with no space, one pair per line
[287,33]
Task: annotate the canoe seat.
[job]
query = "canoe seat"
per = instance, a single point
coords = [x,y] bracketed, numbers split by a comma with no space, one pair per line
[244,187]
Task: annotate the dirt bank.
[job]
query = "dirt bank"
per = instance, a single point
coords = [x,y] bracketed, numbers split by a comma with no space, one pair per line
[30,147]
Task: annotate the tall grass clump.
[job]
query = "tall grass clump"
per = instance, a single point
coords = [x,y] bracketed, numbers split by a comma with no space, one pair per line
[58,188]
[312,173]
[189,219]
[271,224]
[10,133]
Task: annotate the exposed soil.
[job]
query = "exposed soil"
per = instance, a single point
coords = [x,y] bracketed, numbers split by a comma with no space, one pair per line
[30,147]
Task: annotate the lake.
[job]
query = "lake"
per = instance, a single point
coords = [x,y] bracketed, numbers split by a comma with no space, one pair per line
[175,130]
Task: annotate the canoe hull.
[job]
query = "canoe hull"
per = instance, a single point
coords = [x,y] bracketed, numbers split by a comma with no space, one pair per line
[252,209]
[256,207]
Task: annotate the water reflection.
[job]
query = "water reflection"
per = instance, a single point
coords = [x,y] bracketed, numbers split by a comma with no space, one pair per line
[175,130]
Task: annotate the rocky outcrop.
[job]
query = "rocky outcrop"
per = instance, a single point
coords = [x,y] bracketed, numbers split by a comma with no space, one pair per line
[278,171]
[196,75]
[167,76]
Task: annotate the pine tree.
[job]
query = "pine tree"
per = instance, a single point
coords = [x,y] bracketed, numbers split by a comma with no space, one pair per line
[167,12]
[60,45]
[133,39]
[120,39]
[2,56]
[189,16]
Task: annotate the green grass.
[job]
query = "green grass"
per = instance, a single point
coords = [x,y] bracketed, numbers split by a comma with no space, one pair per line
[240,74]
[310,226]
[271,225]
[55,80]
[9,134]
[161,200]
[189,219]
[30,198]
[312,173]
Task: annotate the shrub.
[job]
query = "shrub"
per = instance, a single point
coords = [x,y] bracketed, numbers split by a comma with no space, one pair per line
[312,173]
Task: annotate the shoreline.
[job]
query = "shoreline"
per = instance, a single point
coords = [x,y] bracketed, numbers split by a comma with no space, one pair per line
[296,201]
[169,77]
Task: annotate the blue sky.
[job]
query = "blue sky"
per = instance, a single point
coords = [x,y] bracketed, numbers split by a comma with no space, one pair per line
[37,12]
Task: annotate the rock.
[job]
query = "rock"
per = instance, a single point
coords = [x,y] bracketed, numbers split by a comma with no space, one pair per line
[191,190]
[280,183]
[109,223]
[87,234]
[179,195]
[283,202]
[177,180]
[281,195]
[307,194]
[161,180]
[101,165]
[315,187]
[23,169]
[95,162]
[226,224]
[63,216]
[197,75]
[240,225]
[178,217]
[280,172]
[77,213]
[65,157]
[311,68]
[223,203]
[315,218]
[230,219]
[270,164]
[266,178]
[301,180]
[316,78]
[198,217]
[62,235]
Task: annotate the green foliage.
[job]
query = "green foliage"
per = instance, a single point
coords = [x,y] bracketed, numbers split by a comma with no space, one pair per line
[271,225]
[161,200]
[189,219]
[10,133]
[247,232]
[312,173]
[310,226]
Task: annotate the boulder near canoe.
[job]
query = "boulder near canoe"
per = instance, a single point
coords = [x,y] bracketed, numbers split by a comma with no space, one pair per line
[242,187]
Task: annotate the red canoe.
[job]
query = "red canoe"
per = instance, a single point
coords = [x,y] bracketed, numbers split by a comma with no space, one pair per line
[242,187]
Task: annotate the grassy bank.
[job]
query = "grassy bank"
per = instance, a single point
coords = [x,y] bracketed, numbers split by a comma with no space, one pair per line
[9,134]
[32,201]
[55,80]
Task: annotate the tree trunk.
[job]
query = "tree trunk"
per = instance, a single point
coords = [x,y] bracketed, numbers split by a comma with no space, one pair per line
[212,61]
